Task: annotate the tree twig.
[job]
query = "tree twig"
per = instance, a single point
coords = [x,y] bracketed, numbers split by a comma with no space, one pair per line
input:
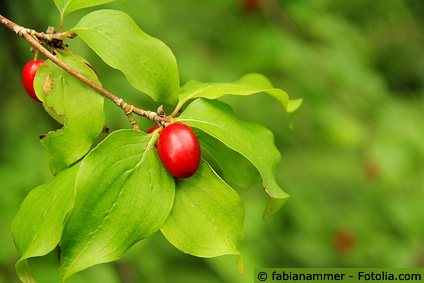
[32,37]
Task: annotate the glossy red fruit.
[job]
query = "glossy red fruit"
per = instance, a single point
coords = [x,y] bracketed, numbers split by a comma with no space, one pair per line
[151,130]
[251,5]
[179,150]
[28,75]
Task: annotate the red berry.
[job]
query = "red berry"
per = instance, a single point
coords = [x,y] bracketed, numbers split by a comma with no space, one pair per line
[251,5]
[179,150]
[28,75]
[151,130]
[344,241]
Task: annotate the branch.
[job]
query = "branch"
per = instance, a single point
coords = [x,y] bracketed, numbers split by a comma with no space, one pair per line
[32,37]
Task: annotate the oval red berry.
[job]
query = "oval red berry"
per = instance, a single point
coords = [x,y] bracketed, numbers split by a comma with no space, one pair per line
[28,75]
[179,150]
[152,129]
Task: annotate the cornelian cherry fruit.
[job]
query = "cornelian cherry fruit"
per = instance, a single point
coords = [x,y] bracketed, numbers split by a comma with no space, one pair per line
[179,150]
[152,129]
[28,75]
[251,5]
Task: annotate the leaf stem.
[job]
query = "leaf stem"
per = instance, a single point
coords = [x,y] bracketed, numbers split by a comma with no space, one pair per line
[177,109]
[33,38]
[36,55]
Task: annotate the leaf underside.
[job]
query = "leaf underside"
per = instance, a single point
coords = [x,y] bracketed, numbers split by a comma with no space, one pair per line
[231,165]
[78,107]
[68,6]
[247,85]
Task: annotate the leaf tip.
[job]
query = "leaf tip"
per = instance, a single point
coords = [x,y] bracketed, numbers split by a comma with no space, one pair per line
[274,206]
[293,105]
[23,271]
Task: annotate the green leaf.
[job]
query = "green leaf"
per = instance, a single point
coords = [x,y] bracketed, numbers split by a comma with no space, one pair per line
[78,107]
[232,166]
[253,141]
[207,217]
[147,62]
[246,85]
[124,195]
[67,6]
[38,225]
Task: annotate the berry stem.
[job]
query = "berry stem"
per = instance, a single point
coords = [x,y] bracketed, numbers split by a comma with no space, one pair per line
[32,37]
[36,55]
[133,122]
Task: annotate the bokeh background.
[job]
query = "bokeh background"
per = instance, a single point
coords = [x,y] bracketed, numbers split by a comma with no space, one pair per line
[353,162]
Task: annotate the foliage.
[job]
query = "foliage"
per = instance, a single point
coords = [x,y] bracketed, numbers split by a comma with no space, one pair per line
[147,62]
[117,192]
[78,107]
[353,164]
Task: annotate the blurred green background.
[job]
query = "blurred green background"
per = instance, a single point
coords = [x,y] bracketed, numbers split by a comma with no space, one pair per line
[353,163]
